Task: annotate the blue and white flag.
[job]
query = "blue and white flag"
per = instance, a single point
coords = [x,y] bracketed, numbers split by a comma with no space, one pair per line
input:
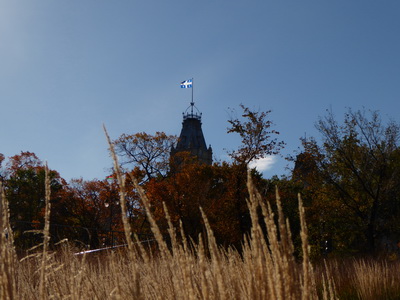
[186,84]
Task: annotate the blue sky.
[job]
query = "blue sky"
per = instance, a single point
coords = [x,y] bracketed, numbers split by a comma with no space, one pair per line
[67,67]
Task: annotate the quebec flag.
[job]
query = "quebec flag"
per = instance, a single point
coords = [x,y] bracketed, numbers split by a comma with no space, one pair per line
[186,84]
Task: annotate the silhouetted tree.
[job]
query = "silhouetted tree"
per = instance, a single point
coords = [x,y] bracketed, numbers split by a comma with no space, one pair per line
[257,138]
[353,175]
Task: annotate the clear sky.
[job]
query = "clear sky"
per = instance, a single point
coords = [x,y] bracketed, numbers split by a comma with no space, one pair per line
[67,67]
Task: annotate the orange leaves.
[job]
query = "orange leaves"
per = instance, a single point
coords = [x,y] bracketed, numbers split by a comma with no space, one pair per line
[220,190]
[25,160]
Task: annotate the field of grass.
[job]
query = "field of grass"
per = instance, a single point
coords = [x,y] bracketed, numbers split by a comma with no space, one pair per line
[265,268]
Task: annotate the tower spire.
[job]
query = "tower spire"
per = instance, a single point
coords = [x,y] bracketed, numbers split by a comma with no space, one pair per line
[191,138]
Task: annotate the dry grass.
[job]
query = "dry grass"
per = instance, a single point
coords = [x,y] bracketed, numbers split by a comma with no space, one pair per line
[266,268]
[365,278]
[8,260]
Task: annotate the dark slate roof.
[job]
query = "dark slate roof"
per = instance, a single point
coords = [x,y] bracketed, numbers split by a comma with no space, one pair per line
[191,136]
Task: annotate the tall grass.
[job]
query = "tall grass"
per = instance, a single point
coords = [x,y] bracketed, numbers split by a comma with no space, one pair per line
[8,259]
[265,268]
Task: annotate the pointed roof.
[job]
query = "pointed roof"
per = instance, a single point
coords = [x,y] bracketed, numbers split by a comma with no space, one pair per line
[191,138]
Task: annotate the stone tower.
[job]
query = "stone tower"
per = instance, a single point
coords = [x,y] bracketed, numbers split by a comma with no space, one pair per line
[191,138]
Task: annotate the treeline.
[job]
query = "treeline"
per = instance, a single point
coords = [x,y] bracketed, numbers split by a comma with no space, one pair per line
[348,178]
[85,212]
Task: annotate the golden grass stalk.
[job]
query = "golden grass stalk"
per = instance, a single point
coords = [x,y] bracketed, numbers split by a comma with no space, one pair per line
[375,280]
[7,251]
[307,267]
[328,286]
[46,234]
[219,284]
[276,273]
[154,227]
[122,193]
[127,227]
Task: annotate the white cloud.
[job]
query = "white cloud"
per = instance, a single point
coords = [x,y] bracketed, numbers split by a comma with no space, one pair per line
[263,164]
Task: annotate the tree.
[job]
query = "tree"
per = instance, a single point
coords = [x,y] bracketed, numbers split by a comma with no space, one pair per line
[258,140]
[353,176]
[1,160]
[220,190]
[93,208]
[2,174]
[145,152]
[25,191]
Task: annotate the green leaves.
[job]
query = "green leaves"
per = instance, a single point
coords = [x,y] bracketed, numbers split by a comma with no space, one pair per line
[355,165]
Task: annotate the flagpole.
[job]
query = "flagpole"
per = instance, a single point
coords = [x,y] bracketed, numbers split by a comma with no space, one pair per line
[192,103]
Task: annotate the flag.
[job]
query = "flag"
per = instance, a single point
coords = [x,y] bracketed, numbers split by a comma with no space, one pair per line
[186,84]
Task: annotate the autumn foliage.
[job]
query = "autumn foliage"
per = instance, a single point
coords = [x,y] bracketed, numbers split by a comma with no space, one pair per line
[349,180]
[220,190]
